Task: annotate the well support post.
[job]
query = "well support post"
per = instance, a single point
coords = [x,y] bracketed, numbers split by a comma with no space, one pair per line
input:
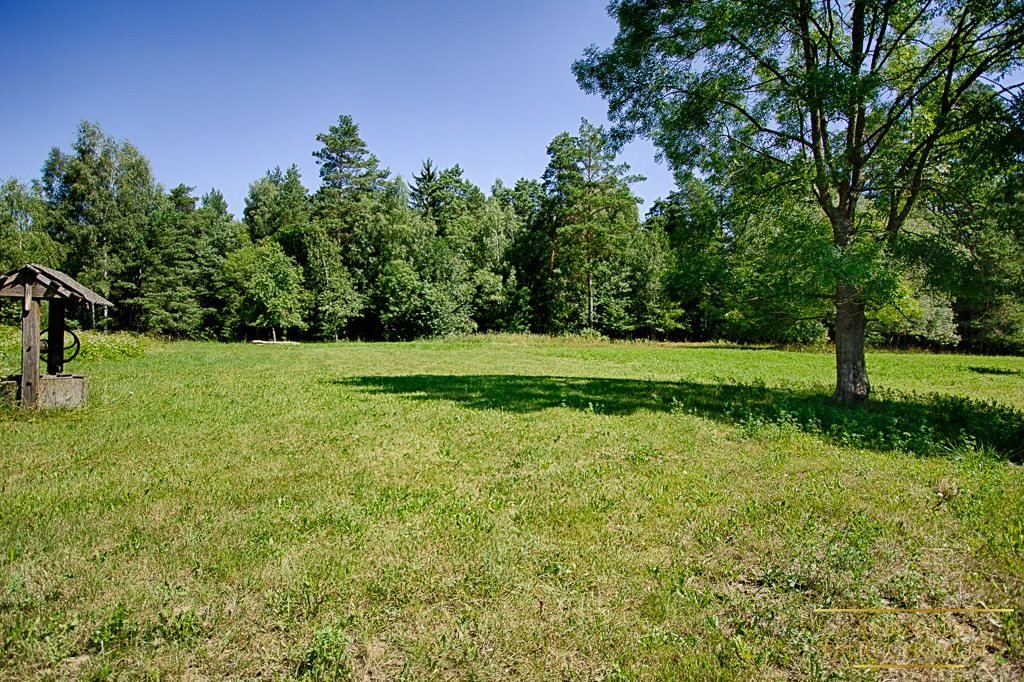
[55,337]
[29,350]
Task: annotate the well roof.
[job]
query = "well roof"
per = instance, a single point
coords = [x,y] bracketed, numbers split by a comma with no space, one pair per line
[49,284]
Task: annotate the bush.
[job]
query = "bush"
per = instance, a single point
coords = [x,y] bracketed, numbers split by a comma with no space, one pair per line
[10,350]
[411,308]
[100,346]
[96,347]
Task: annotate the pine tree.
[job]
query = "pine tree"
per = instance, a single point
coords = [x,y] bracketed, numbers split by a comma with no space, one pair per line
[423,193]
[346,164]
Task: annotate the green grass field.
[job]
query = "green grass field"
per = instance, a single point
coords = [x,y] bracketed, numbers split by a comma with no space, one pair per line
[513,508]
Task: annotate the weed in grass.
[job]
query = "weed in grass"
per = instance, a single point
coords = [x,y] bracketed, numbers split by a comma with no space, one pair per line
[117,628]
[326,659]
[1012,626]
[1010,539]
[905,589]
[101,673]
[182,626]
[297,604]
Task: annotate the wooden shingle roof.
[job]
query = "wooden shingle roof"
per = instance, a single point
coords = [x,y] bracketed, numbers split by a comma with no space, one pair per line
[49,284]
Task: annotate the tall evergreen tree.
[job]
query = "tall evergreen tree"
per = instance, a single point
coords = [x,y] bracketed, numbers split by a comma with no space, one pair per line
[590,203]
[216,235]
[423,191]
[165,270]
[346,164]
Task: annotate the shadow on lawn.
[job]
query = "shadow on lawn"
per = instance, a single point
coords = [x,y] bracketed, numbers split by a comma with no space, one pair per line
[999,371]
[924,424]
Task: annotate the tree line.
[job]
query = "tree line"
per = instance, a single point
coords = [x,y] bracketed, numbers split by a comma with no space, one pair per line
[368,255]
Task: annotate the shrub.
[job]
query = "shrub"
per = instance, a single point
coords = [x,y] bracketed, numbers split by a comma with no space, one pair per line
[96,347]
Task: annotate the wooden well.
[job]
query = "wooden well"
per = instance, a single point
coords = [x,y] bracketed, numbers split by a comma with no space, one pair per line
[32,284]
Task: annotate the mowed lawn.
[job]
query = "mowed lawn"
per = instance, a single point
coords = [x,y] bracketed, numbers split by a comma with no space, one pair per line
[514,508]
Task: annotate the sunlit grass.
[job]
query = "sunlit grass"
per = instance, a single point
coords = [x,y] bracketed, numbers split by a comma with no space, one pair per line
[510,508]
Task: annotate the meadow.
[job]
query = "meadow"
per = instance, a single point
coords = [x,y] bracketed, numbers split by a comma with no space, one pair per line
[512,508]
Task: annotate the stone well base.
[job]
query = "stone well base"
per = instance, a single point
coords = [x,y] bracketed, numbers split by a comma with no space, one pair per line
[55,390]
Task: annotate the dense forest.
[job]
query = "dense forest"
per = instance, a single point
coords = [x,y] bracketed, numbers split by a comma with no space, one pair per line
[371,256]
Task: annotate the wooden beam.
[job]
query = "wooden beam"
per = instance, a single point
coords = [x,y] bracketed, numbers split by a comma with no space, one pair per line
[17,290]
[55,290]
[29,351]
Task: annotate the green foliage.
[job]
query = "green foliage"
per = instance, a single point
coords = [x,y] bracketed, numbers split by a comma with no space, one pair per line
[99,197]
[410,307]
[346,164]
[326,659]
[96,346]
[696,266]
[738,254]
[23,238]
[164,299]
[918,318]
[976,235]
[591,208]
[423,191]
[184,627]
[399,301]
[117,628]
[217,235]
[278,206]
[583,258]
[773,288]
[858,110]
[102,346]
[264,288]
[335,300]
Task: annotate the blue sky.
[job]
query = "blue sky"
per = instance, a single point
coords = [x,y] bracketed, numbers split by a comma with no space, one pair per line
[215,93]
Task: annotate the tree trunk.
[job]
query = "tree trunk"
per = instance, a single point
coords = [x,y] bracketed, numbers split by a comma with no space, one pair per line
[851,367]
[590,299]
[273,334]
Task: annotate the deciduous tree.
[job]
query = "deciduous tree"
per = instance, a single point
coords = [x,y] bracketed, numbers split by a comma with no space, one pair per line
[856,103]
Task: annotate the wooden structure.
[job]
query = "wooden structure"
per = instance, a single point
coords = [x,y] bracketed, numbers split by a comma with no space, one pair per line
[32,284]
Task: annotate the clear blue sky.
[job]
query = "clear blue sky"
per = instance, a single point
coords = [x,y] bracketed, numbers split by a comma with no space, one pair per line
[215,93]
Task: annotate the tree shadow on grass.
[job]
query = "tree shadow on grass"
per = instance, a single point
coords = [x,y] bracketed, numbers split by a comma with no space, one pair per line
[932,424]
[999,371]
